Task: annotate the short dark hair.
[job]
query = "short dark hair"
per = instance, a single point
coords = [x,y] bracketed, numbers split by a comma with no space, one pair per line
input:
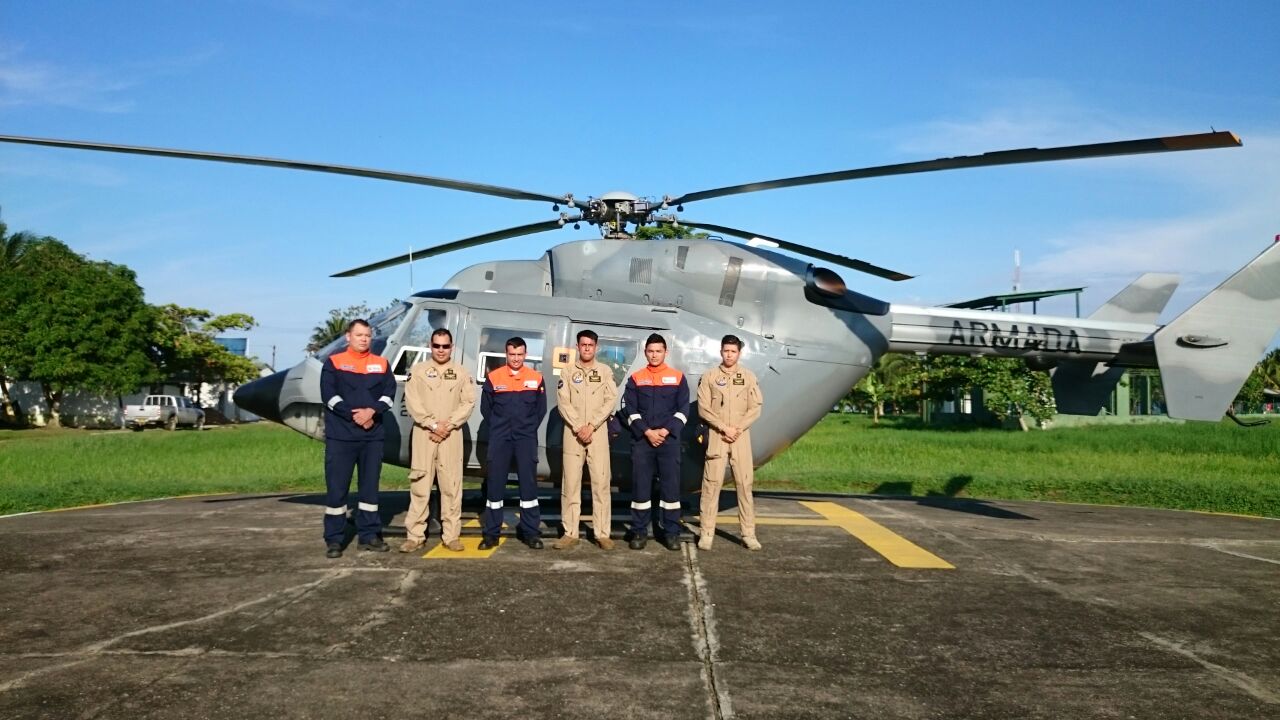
[588,334]
[655,338]
[442,331]
[516,342]
[731,340]
[358,321]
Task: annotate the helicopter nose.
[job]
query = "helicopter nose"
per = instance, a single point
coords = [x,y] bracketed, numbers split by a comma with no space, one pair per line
[262,396]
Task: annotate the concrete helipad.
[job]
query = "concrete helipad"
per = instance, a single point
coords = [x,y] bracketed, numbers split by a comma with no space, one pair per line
[225,607]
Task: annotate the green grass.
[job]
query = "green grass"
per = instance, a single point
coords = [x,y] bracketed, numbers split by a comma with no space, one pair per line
[42,469]
[1193,466]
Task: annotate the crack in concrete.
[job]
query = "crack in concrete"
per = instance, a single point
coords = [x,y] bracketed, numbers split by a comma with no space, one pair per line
[705,641]
[1235,677]
[382,615]
[87,652]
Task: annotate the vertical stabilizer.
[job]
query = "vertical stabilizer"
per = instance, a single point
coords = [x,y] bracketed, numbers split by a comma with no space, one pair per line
[1083,387]
[1207,353]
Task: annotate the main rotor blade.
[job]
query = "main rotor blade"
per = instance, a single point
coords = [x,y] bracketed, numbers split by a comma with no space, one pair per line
[460,244]
[848,262]
[483,189]
[1201,141]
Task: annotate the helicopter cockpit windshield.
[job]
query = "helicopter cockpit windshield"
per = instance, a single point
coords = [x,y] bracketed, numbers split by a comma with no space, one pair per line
[384,322]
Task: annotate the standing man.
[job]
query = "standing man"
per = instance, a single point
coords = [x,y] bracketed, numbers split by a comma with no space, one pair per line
[440,395]
[729,400]
[586,400]
[357,388]
[656,403]
[514,402]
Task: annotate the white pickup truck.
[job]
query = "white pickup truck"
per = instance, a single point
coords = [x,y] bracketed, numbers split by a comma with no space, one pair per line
[168,411]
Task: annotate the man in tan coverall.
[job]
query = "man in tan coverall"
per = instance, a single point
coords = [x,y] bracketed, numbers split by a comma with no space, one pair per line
[586,396]
[729,400]
[439,396]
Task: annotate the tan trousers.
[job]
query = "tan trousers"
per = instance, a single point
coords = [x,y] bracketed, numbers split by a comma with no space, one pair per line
[444,461]
[738,457]
[596,456]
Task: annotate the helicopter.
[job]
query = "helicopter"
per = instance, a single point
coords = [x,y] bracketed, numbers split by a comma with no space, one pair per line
[807,336]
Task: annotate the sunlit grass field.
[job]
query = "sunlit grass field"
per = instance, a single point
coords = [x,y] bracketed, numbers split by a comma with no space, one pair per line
[1193,466]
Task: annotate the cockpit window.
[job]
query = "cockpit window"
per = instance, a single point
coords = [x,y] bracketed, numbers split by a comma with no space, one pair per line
[384,323]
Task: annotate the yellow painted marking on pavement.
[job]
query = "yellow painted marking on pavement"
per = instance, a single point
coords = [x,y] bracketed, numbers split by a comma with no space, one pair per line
[471,547]
[895,548]
[733,520]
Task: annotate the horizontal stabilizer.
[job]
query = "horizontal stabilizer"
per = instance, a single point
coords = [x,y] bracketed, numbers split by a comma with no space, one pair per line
[1083,387]
[1207,353]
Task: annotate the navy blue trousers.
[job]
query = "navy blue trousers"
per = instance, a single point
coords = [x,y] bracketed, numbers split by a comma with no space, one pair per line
[340,457]
[664,462]
[525,453]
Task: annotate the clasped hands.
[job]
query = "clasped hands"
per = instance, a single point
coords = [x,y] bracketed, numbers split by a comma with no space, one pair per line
[363,417]
[731,434]
[656,436]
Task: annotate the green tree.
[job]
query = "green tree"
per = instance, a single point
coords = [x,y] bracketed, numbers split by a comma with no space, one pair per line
[11,249]
[1009,388]
[668,231]
[895,378]
[69,324]
[335,326]
[185,350]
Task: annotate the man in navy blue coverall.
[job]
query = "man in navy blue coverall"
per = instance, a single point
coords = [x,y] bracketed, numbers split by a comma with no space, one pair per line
[656,405]
[357,388]
[514,402]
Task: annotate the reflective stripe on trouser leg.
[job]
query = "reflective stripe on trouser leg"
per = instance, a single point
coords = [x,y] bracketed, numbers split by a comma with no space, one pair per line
[743,477]
[339,461]
[495,486]
[643,467]
[526,451]
[709,505]
[601,477]
[668,457]
[369,468]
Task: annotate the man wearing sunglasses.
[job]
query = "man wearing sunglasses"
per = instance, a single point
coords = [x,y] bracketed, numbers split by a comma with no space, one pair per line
[439,396]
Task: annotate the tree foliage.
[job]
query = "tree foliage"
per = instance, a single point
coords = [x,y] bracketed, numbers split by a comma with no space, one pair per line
[185,350]
[72,324]
[668,231]
[334,326]
[895,378]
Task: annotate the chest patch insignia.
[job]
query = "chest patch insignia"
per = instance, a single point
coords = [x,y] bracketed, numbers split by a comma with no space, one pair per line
[670,380]
[346,367]
[373,368]
[577,378]
[722,381]
[739,380]
[595,377]
[531,384]
[500,387]
[431,374]
[450,374]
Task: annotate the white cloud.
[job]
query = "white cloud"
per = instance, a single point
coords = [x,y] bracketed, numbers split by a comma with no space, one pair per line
[26,82]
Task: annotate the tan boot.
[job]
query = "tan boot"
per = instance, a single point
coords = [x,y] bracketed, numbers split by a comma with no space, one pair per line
[564,543]
[409,546]
[604,543]
[704,542]
[454,545]
[751,542]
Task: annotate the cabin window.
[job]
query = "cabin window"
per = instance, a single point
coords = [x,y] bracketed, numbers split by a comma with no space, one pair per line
[493,349]
[618,354]
[426,322]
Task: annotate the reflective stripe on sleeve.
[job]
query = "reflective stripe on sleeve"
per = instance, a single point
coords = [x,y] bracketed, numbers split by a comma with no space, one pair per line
[529,503]
[633,418]
[336,510]
[334,401]
[683,419]
[367,507]
[641,505]
[386,400]
[668,505]
[494,504]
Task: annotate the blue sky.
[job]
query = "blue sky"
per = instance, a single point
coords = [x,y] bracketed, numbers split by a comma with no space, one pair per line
[652,99]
